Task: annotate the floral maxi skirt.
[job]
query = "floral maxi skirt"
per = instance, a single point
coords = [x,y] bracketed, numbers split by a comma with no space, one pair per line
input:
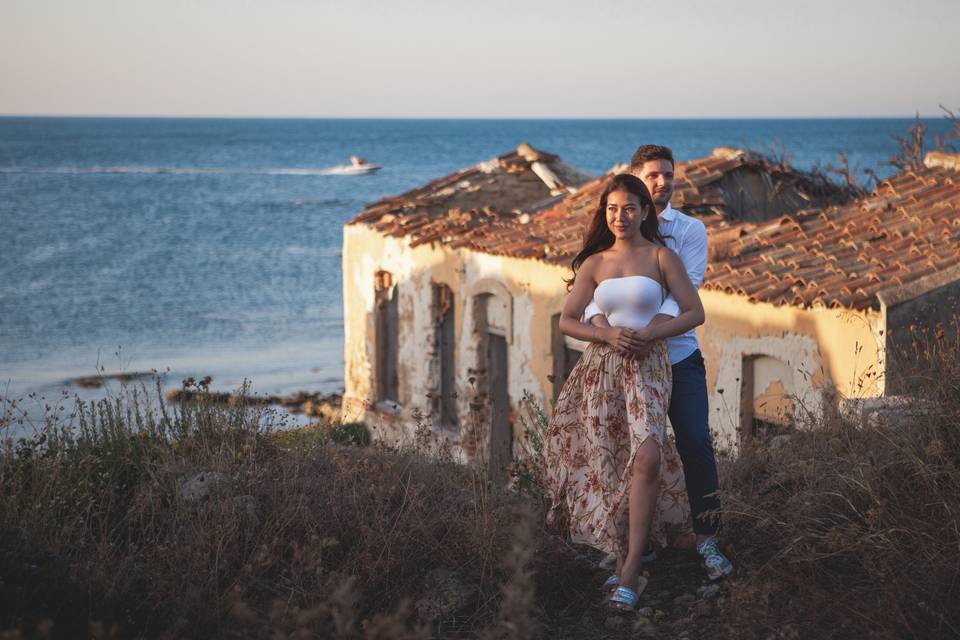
[611,403]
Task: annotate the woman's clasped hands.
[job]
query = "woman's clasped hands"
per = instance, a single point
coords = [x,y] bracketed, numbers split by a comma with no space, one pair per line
[637,341]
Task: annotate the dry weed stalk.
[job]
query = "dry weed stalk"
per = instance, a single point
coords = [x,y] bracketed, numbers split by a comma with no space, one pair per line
[909,153]
[298,535]
[853,530]
[516,619]
[843,530]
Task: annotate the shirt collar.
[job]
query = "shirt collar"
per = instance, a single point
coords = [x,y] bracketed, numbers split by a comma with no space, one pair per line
[669,214]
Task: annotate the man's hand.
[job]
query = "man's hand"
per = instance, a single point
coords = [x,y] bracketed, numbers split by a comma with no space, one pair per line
[643,342]
[644,334]
[660,318]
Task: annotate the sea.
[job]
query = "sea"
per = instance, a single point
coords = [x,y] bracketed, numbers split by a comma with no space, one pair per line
[212,247]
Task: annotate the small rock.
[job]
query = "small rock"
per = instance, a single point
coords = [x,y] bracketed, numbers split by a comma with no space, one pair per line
[683,601]
[703,609]
[608,562]
[644,628]
[448,593]
[247,506]
[709,591]
[645,612]
[202,484]
[888,411]
[614,622]
[659,614]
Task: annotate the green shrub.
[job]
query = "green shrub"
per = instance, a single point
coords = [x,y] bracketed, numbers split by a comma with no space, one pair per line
[353,434]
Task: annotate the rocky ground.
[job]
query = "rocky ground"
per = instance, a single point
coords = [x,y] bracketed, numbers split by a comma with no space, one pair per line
[679,602]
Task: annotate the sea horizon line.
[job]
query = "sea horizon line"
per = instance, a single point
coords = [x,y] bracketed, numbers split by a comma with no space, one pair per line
[46,116]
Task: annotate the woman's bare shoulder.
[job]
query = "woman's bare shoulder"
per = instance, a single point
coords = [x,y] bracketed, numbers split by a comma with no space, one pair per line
[667,256]
[592,262]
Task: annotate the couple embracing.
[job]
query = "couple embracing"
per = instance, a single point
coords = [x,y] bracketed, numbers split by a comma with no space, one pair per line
[611,471]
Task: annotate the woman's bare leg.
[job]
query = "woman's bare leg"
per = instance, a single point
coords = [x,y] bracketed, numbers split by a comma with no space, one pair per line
[643,498]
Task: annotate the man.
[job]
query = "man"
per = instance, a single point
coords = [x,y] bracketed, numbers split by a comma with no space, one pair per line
[687,236]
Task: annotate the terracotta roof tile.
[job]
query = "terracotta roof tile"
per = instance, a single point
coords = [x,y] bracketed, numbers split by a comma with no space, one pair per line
[498,189]
[840,256]
[906,230]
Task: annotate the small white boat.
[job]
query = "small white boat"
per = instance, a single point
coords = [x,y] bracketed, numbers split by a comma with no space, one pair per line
[357,166]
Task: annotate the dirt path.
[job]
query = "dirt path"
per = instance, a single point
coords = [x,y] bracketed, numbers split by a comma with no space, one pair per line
[679,602]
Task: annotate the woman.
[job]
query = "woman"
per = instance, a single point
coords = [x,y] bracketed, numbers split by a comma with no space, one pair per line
[606,447]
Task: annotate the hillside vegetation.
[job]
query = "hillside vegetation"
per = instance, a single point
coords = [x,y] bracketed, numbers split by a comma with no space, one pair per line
[199,520]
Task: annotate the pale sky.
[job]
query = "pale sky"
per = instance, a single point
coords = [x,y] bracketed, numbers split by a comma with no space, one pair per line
[485,58]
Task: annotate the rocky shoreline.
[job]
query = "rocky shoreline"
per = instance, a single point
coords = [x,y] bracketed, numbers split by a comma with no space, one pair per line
[313,404]
[326,407]
[99,380]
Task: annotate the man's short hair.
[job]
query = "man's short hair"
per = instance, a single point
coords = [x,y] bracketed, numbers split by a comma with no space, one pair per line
[648,152]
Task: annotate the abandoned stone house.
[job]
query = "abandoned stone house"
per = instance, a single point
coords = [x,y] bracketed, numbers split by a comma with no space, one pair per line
[452,291]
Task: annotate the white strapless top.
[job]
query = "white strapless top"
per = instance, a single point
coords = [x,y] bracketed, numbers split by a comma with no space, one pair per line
[629,301]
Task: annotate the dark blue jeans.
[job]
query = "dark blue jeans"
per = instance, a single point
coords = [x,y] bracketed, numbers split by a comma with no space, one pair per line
[689,416]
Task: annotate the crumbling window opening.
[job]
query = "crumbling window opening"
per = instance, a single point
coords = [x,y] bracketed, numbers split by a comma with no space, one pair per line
[444,301]
[445,401]
[501,430]
[386,338]
[491,390]
[762,414]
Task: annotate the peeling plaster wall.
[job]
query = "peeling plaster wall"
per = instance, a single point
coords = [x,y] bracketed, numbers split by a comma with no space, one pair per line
[796,351]
[523,294]
[364,253]
[358,268]
[825,349]
[772,392]
[532,306]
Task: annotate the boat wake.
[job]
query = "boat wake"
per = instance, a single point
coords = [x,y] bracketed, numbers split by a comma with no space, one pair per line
[270,171]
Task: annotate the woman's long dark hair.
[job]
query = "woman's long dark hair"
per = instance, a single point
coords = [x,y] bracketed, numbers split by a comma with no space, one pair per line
[599,237]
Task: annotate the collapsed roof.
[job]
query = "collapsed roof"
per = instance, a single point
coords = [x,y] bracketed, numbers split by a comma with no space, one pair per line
[776,235]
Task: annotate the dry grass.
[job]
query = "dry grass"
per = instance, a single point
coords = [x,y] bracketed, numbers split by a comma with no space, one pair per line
[853,530]
[299,536]
[842,531]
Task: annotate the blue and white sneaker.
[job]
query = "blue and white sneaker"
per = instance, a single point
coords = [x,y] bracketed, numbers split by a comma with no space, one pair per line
[714,562]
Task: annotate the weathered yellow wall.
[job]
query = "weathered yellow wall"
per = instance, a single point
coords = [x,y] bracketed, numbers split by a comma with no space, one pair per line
[824,348]
[537,292]
[364,253]
[819,345]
